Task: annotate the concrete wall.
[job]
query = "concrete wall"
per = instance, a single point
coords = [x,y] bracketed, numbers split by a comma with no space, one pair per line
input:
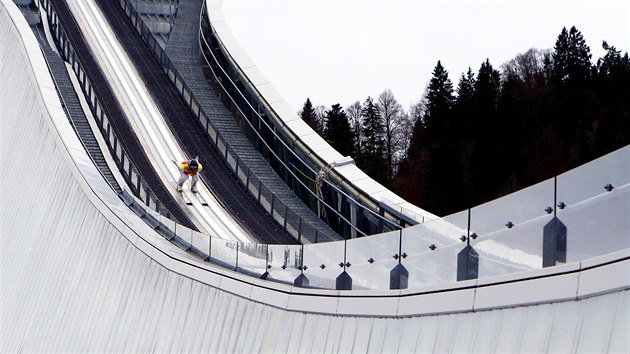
[80,272]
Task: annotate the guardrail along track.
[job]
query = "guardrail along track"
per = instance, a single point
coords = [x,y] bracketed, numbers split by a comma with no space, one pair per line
[119,134]
[184,126]
[74,110]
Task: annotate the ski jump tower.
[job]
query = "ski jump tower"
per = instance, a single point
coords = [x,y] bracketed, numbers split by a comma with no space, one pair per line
[544,269]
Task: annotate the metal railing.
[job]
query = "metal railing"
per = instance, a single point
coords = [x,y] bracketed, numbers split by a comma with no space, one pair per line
[64,105]
[138,186]
[247,103]
[507,235]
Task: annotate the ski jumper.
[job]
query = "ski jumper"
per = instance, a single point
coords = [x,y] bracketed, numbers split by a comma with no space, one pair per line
[185,173]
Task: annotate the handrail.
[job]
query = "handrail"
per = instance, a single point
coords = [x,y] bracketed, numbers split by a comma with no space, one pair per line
[278,157]
[64,106]
[504,249]
[138,186]
[273,131]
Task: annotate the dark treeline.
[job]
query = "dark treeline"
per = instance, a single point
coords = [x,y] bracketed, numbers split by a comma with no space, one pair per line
[543,113]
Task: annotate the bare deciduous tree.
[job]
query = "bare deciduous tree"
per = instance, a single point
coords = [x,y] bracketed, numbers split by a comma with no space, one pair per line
[395,124]
[528,66]
[354,117]
[320,111]
[406,131]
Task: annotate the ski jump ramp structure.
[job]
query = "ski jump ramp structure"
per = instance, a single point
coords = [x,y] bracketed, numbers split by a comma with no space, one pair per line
[80,271]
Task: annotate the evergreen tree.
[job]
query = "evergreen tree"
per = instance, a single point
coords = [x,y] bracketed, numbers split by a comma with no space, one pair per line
[439,99]
[486,130]
[613,87]
[572,57]
[372,158]
[337,132]
[487,88]
[309,115]
[464,121]
[430,171]
[465,106]
[551,112]
[571,116]
[442,176]
[512,112]
[613,66]
[466,89]
[372,129]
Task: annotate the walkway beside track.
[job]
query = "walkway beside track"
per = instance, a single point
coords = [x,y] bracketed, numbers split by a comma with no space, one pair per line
[74,110]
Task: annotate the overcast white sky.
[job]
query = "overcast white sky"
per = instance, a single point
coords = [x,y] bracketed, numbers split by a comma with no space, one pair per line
[343,51]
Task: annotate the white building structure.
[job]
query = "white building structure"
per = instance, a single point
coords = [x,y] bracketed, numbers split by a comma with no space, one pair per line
[82,272]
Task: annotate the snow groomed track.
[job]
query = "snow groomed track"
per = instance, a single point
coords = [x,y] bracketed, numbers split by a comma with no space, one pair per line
[146,119]
[80,272]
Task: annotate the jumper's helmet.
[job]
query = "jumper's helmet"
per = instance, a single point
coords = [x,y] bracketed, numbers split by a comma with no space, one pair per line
[193,165]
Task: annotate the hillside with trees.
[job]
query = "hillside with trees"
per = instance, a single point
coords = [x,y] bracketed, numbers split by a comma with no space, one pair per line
[494,132]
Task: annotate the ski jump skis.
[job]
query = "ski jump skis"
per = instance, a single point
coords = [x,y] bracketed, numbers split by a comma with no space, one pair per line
[185,196]
[200,199]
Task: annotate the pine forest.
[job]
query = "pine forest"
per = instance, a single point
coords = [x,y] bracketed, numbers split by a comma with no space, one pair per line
[492,131]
